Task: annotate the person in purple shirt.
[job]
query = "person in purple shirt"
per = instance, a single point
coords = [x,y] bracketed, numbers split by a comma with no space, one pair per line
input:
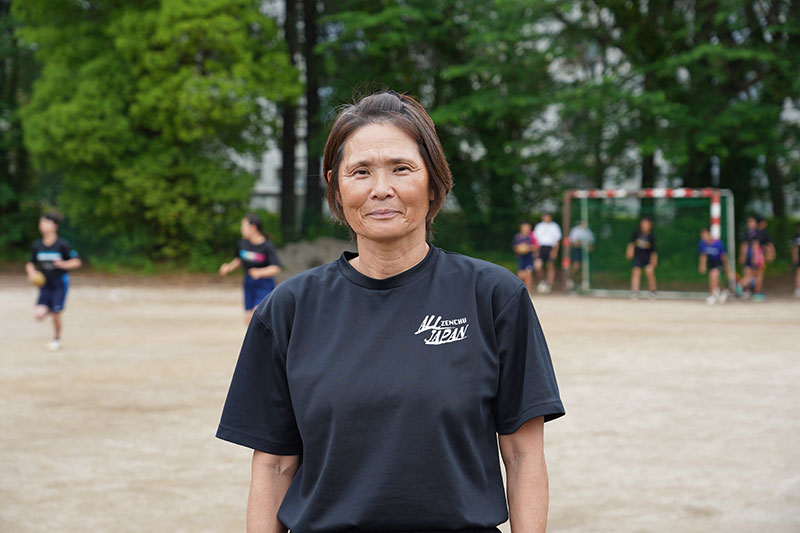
[714,261]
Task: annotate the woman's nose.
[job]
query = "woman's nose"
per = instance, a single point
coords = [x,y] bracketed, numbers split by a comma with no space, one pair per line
[382,186]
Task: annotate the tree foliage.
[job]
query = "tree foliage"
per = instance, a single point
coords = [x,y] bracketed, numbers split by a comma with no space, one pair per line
[475,67]
[534,97]
[19,188]
[143,108]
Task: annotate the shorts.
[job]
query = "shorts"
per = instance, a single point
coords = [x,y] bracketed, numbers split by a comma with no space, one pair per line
[544,253]
[715,266]
[256,290]
[640,261]
[53,294]
[576,254]
[525,262]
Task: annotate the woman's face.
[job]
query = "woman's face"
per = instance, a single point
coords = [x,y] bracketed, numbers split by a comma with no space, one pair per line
[246,228]
[383,184]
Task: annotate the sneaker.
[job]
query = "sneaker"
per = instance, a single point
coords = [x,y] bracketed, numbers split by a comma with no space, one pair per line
[541,287]
[739,290]
[635,295]
[797,292]
[712,299]
[760,297]
[723,297]
[54,345]
[652,295]
[547,288]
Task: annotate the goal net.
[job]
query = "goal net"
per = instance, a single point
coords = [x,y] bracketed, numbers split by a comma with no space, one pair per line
[613,216]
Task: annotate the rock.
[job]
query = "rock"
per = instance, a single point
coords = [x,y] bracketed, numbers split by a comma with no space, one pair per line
[303,255]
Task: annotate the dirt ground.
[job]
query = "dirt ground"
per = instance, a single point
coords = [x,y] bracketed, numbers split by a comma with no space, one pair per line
[680,416]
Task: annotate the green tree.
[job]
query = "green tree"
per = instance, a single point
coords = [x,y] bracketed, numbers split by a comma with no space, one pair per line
[476,67]
[19,186]
[707,83]
[146,109]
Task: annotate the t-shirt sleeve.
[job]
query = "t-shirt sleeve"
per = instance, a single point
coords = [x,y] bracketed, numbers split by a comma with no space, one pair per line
[67,251]
[258,411]
[527,386]
[272,255]
[32,258]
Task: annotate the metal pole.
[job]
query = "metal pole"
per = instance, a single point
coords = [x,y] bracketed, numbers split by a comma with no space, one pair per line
[584,245]
[731,240]
[565,216]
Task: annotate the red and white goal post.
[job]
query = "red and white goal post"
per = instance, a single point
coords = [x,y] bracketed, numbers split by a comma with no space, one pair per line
[584,196]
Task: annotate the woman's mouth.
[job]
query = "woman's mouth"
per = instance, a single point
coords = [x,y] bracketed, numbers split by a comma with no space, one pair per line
[383,213]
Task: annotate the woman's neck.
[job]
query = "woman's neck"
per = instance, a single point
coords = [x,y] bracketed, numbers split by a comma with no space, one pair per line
[257,238]
[49,239]
[382,260]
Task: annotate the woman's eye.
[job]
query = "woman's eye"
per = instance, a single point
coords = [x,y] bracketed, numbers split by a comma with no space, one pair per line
[360,172]
[402,168]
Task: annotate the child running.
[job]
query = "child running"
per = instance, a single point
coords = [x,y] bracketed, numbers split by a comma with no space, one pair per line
[714,260]
[259,259]
[53,257]
[524,245]
[642,252]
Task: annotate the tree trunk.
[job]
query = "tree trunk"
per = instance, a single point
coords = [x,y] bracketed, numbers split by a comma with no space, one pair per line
[289,134]
[312,214]
[776,189]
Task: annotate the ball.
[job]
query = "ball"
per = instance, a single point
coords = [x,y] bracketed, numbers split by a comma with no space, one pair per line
[37,279]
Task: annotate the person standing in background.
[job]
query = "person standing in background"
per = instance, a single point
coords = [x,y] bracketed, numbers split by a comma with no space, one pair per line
[714,260]
[579,236]
[796,261]
[642,253]
[548,235]
[53,257]
[524,245]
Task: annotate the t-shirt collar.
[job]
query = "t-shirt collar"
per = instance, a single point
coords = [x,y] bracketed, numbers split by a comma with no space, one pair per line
[398,280]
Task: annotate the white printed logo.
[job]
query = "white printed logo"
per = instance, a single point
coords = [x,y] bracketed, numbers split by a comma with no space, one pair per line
[443,331]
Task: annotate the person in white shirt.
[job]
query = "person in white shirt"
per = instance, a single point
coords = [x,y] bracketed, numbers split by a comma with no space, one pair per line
[548,235]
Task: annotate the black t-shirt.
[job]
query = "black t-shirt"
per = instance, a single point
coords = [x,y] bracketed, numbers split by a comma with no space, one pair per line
[392,391]
[257,255]
[764,237]
[43,257]
[643,245]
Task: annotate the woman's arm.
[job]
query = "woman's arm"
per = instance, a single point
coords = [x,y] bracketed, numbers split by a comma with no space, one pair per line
[265,272]
[230,266]
[270,479]
[69,264]
[526,477]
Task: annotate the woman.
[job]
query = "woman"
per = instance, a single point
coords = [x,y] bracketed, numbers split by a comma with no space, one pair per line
[258,257]
[372,389]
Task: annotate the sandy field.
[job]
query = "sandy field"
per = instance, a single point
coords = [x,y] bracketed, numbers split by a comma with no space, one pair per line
[680,417]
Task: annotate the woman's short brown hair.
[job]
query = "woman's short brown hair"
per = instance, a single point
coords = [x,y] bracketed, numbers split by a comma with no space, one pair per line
[404,113]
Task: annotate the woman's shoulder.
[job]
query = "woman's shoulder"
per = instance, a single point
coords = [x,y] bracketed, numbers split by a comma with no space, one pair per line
[485,274]
[283,299]
[314,279]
